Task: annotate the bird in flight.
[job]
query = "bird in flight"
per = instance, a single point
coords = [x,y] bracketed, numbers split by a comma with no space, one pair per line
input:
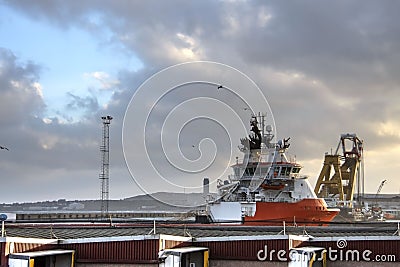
[219,87]
[3,147]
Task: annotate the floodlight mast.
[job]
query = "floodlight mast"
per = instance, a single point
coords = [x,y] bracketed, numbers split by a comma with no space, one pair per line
[105,165]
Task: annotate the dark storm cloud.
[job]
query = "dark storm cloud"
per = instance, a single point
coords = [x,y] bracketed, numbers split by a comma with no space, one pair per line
[324,40]
[348,49]
[22,107]
[149,29]
[40,149]
[20,96]
[326,67]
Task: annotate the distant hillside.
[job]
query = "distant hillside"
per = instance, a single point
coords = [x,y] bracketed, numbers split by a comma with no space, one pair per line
[177,199]
[160,201]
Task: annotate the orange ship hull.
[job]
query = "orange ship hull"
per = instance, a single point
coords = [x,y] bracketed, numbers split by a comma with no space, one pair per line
[303,212]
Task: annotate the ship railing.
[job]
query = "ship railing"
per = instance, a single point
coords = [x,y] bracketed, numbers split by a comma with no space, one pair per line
[259,198]
[248,177]
[232,177]
[245,199]
[283,199]
[272,199]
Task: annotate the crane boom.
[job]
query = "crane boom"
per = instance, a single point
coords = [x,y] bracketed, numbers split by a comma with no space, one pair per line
[380,188]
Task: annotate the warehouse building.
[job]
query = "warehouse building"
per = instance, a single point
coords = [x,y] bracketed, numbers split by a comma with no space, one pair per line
[141,244]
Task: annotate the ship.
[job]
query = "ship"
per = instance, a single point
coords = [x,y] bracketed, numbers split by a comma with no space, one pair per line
[266,187]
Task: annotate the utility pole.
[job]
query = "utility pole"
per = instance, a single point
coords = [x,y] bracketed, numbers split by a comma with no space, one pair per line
[105,165]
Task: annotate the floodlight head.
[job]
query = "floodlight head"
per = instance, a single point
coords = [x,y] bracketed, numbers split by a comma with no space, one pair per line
[3,217]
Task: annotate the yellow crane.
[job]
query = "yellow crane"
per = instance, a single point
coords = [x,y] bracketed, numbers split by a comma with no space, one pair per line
[341,172]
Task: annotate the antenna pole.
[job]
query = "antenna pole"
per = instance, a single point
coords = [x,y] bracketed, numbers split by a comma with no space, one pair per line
[105,165]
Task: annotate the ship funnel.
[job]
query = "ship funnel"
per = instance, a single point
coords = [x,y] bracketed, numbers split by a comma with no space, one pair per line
[206,186]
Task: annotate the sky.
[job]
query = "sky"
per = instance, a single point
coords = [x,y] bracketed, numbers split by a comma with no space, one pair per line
[322,68]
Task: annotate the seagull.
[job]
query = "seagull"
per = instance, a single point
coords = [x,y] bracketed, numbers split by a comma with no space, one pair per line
[3,147]
[219,87]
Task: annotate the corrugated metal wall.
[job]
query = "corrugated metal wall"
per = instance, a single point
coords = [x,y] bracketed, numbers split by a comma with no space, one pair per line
[3,258]
[137,251]
[295,243]
[146,251]
[172,243]
[26,247]
[243,249]
[377,247]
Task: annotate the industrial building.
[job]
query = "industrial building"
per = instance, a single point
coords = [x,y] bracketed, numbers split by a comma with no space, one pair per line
[141,244]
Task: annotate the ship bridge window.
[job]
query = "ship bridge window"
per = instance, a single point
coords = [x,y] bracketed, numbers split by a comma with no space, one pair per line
[250,171]
[285,171]
[276,171]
